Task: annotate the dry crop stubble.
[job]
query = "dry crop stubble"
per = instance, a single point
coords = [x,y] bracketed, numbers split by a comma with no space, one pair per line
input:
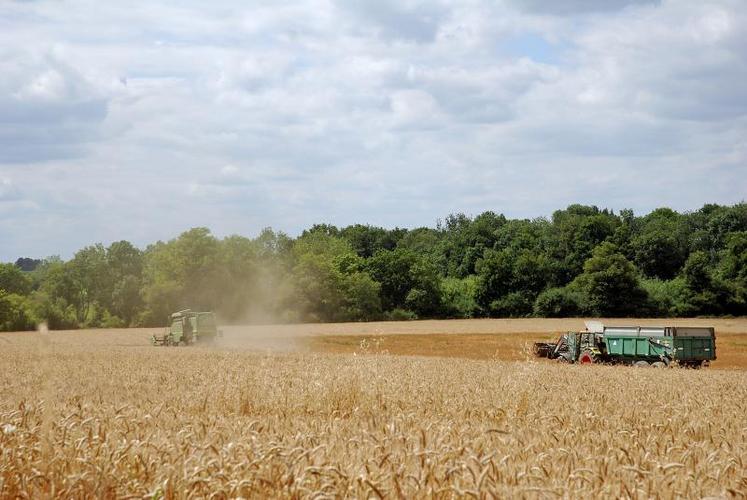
[78,420]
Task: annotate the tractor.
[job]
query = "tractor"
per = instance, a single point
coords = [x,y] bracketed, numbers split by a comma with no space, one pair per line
[656,346]
[188,327]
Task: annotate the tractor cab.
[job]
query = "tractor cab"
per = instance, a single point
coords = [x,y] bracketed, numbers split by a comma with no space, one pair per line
[573,347]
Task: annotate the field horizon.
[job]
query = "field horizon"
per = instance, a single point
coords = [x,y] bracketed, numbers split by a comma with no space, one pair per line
[506,339]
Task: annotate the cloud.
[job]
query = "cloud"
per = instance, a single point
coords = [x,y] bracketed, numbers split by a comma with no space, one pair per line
[406,20]
[48,110]
[672,63]
[143,120]
[483,94]
[8,191]
[570,7]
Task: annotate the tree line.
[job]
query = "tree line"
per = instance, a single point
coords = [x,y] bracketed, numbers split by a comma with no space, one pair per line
[582,261]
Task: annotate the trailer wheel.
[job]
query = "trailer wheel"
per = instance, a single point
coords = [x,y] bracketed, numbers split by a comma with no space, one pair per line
[586,358]
[641,364]
[658,364]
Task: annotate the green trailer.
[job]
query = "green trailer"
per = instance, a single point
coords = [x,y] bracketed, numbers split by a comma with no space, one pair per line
[188,327]
[688,346]
[634,345]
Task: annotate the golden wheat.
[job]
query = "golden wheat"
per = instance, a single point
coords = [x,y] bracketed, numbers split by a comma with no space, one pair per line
[109,421]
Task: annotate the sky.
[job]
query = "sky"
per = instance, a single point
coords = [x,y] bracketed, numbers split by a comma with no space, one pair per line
[138,120]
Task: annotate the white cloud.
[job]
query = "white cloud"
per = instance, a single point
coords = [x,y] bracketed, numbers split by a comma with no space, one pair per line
[569,7]
[415,108]
[8,190]
[142,120]
[48,109]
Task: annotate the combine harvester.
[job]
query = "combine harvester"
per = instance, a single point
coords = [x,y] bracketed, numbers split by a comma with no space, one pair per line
[188,327]
[657,346]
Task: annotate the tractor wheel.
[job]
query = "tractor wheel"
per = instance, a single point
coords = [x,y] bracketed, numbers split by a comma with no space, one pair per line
[658,364]
[641,364]
[586,358]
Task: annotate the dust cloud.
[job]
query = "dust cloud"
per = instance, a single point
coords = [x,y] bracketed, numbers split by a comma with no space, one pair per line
[264,338]
[260,317]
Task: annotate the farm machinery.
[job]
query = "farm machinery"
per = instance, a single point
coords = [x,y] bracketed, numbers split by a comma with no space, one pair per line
[656,346]
[188,327]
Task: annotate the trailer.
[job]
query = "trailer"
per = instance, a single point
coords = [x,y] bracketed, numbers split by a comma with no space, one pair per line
[656,346]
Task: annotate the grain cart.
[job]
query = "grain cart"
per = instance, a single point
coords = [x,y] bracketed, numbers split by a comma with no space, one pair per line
[188,327]
[657,346]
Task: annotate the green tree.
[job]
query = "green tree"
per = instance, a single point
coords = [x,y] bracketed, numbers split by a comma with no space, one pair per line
[509,281]
[27,264]
[422,240]
[15,313]
[523,234]
[703,292]
[124,264]
[660,246]
[367,240]
[55,299]
[725,220]
[13,280]
[70,293]
[465,241]
[324,229]
[558,303]
[91,283]
[407,281]
[666,297]
[609,284]
[459,297]
[624,232]
[235,277]
[273,245]
[181,274]
[329,283]
[577,230]
[362,301]
[428,243]
[424,297]
[494,276]
[734,270]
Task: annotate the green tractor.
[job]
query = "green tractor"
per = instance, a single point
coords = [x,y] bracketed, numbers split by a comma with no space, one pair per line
[188,327]
[657,346]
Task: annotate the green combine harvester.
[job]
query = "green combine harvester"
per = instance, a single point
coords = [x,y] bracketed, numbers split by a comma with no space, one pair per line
[657,346]
[188,327]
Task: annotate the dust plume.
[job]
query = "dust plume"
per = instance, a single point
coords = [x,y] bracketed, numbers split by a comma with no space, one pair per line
[255,316]
[264,338]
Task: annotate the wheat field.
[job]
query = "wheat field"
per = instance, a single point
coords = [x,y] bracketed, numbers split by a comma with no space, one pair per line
[103,414]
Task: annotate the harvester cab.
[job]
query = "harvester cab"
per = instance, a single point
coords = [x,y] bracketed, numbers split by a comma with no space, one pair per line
[188,327]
